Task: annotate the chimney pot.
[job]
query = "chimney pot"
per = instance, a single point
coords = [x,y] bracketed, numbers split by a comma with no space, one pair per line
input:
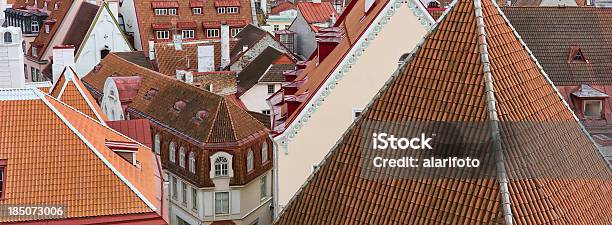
[225,51]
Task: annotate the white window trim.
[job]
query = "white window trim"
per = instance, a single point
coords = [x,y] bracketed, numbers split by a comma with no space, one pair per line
[158,36]
[221,10]
[189,31]
[157,144]
[162,11]
[172,11]
[264,149]
[250,165]
[214,30]
[232,10]
[230,170]
[355,110]
[229,203]
[584,103]
[198,9]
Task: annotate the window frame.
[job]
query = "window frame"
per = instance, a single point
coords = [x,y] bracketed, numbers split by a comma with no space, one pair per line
[354,112]
[184,193]
[34,24]
[161,11]
[192,162]
[194,199]
[272,87]
[214,31]
[250,161]
[172,11]
[191,31]
[220,10]
[264,152]
[193,10]
[182,157]
[172,152]
[3,171]
[228,202]
[584,106]
[263,187]
[174,188]
[158,36]
[232,10]
[235,31]
[221,171]
[157,144]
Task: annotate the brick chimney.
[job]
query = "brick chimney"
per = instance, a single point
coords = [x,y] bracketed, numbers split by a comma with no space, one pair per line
[63,56]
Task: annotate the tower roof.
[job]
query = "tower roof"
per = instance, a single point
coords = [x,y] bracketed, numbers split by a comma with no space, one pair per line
[70,90]
[472,68]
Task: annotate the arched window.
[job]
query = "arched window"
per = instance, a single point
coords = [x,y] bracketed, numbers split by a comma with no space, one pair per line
[264,152]
[221,166]
[157,144]
[172,152]
[8,38]
[192,166]
[34,26]
[250,161]
[182,157]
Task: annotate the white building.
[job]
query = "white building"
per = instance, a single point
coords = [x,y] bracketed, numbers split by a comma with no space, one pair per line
[11,58]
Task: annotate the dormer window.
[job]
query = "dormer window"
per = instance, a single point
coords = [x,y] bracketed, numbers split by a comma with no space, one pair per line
[8,38]
[127,150]
[34,26]
[199,116]
[172,11]
[232,10]
[212,33]
[576,56]
[221,10]
[196,10]
[221,165]
[150,94]
[178,106]
[160,12]
[593,108]
[56,6]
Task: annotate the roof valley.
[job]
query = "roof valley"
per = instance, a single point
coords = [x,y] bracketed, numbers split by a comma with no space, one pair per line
[493,121]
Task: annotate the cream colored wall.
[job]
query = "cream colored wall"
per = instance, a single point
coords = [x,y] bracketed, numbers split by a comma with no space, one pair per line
[355,90]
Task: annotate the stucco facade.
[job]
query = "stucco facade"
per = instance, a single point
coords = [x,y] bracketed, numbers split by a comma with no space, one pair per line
[255,98]
[253,51]
[304,36]
[298,156]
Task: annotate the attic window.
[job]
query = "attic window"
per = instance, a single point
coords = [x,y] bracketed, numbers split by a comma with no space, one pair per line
[576,56]
[127,150]
[150,94]
[433,4]
[178,106]
[200,115]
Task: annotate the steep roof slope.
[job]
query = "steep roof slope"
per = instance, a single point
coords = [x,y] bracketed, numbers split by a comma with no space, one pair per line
[76,33]
[64,160]
[71,91]
[249,76]
[316,12]
[551,33]
[473,69]
[223,120]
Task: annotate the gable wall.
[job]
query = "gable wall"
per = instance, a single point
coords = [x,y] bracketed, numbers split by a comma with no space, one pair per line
[355,90]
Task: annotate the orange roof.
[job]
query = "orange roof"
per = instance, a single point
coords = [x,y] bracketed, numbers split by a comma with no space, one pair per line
[71,91]
[354,22]
[470,68]
[64,160]
[283,6]
[316,12]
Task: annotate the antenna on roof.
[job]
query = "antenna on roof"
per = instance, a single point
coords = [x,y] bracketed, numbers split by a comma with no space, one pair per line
[177,40]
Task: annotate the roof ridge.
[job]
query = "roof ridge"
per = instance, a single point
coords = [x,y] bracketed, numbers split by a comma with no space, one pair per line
[213,123]
[231,120]
[78,84]
[107,163]
[491,107]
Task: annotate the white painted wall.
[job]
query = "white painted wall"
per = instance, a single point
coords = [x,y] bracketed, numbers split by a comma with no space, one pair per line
[11,59]
[255,98]
[110,104]
[355,90]
[105,32]
[131,22]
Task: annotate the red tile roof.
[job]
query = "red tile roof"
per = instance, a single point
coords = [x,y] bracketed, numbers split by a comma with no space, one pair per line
[41,41]
[137,129]
[146,17]
[463,73]
[283,6]
[71,91]
[63,160]
[227,123]
[160,26]
[552,33]
[226,3]
[189,24]
[164,4]
[169,59]
[316,12]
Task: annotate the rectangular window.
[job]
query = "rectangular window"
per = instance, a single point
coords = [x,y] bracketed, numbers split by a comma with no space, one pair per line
[188,34]
[194,199]
[356,113]
[37,74]
[263,189]
[592,108]
[2,178]
[25,71]
[161,12]
[162,34]
[286,27]
[184,193]
[174,188]
[270,88]
[32,73]
[172,11]
[265,111]
[235,31]
[196,10]
[181,221]
[232,10]
[222,202]
[34,52]
[212,33]
[276,27]
[221,10]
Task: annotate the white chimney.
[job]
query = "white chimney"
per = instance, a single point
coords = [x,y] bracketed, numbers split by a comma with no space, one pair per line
[206,58]
[11,59]
[264,6]
[113,6]
[151,50]
[185,76]
[63,56]
[225,51]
